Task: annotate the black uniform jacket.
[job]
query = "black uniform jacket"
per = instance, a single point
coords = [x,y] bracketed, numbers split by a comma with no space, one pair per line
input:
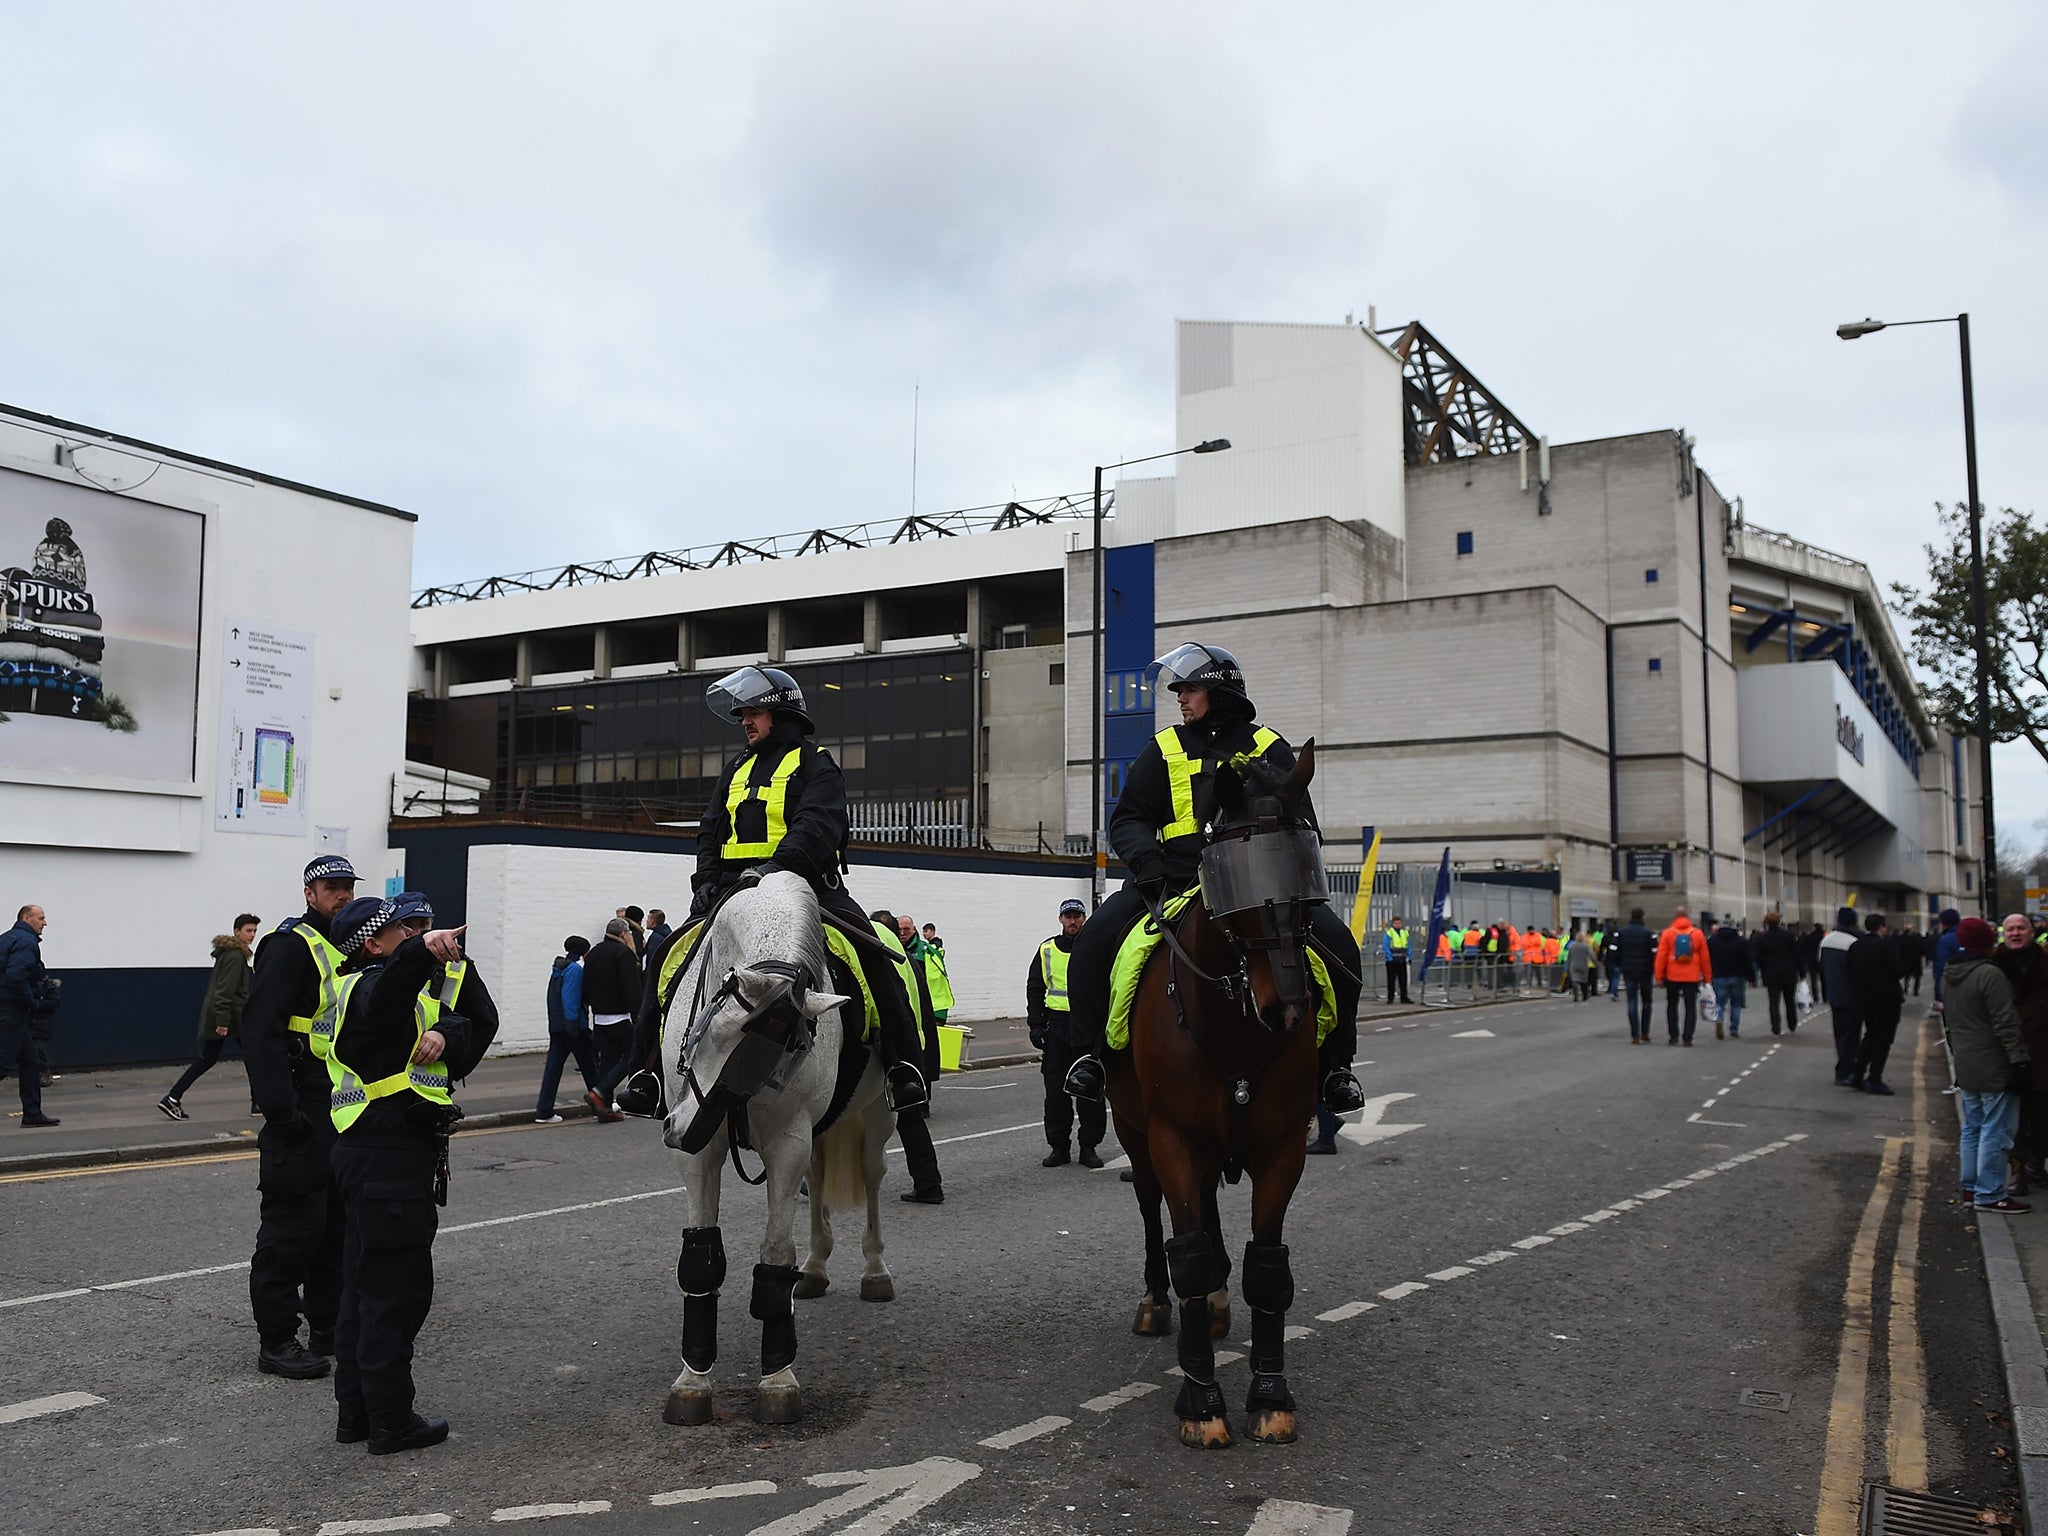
[1037,1016]
[376,1036]
[285,983]
[815,814]
[1146,805]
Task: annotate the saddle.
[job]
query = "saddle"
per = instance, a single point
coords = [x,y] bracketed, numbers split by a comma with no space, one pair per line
[840,947]
[1135,952]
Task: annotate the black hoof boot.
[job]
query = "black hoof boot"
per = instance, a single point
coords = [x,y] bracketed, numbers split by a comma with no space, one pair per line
[640,1095]
[1085,1078]
[1203,1425]
[906,1087]
[1341,1092]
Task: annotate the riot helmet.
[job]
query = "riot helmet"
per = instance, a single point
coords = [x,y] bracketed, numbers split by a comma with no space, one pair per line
[758,688]
[1195,665]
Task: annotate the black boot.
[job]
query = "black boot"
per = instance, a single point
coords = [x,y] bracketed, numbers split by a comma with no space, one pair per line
[1341,1091]
[416,1436]
[639,1095]
[1085,1078]
[906,1087]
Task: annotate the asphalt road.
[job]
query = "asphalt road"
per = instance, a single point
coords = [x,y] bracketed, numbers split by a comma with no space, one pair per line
[1528,1311]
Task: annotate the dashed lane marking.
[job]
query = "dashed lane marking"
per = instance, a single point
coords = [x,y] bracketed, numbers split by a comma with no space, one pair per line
[717,1491]
[1023,1432]
[1566,1228]
[550,1511]
[1535,1240]
[394,1523]
[38,1407]
[1345,1313]
[1455,1272]
[247,1530]
[1475,1034]
[1128,1393]
[1286,1517]
[1222,1357]
[1494,1257]
[1405,1288]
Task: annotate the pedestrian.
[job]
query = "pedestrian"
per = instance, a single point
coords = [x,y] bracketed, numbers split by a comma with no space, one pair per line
[913,1121]
[1578,961]
[2025,968]
[1728,953]
[1394,948]
[1047,1015]
[1809,962]
[1874,984]
[611,990]
[927,955]
[1834,972]
[43,1021]
[1610,956]
[394,1051]
[1635,955]
[1945,944]
[1908,956]
[296,1267]
[1682,964]
[21,988]
[1993,1069]
[568,1030]
[220,1015]
[657,928]
[636,930]
[1775,953]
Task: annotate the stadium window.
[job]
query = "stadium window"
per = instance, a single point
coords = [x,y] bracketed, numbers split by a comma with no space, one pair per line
[1656,664]
[1464,543]
[1650,575]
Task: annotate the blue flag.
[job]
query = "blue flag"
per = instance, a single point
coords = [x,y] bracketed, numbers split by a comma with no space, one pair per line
[1437,916]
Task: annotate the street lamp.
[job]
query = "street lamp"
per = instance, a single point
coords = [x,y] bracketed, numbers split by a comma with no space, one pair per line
[1096,681]
[1988,892]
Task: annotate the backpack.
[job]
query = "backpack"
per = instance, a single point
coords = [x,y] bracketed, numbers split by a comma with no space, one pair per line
[1681,945]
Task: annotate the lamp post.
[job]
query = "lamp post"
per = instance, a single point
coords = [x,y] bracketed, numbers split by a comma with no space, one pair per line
[1099,878]
[1979,616]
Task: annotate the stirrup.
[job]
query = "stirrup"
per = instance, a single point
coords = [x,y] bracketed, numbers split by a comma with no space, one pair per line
[1085,1078]
[907,1087]
[1341,1093]
[640,1096]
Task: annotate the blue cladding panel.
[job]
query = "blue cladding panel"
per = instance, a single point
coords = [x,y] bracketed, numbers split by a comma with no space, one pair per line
[1127,649]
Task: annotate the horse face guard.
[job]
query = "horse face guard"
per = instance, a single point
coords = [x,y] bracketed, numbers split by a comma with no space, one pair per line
[1259,878]
[778,1025]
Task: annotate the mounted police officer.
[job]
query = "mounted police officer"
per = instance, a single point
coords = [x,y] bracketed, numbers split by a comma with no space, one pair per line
[781,804]
[297,1263]
[394,1049]
[1157,830]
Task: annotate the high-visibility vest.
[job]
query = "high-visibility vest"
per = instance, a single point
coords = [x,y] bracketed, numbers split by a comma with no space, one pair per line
[1443,946]
[318,1026]
[1471,938]
[771,790]
[1052,966]
[1182,771]
[1397,941]
[348,1095]
[1552,948]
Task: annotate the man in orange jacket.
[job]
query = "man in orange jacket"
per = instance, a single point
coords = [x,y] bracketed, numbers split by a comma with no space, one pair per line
[1682,966]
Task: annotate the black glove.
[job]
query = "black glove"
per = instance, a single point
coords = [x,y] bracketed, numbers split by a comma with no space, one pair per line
[1038,1039]
[2021,1078]
[294,1129]
[1150,879]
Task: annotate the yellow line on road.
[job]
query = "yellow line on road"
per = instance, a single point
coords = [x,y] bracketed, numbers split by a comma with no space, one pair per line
[1906,1441]
[1841,1476]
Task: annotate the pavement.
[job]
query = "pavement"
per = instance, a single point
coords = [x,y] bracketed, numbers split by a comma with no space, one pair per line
[1551,1282]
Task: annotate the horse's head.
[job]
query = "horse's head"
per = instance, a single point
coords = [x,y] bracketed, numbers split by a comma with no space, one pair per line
[1261,873]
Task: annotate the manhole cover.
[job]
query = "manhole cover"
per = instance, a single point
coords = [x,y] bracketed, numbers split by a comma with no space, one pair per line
[1901,1512]
[1764,1397]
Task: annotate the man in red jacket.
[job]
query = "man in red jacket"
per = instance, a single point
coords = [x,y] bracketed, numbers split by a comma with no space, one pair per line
[1682,966]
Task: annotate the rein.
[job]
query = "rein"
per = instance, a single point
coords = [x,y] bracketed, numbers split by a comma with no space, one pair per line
[794,1036]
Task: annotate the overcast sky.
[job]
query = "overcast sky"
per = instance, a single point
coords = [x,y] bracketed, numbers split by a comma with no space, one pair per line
[572,282]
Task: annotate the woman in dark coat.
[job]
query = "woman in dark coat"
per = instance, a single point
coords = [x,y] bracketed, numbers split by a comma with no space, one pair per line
[2026,967]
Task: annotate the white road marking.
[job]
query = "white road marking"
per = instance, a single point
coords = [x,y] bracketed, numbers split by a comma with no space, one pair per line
[29,1301]
[1455,1272]
[717,1491]
[1494,1257]
[1384,1029]
[1405,1288]
[1533,1242]
[978,1087]
[1345,1313]
[1014,1437]
[1286,1517]
[1122,1160]
[1567,1228]
[1001,1130]
[549,1511]
[247,1530]
[1130,1392]
[1475,1034]
[1594,1217]
[1652,1194]
[1295,1331]
[395,1523]
[1222,1357]
[907,1489]
[179,1274]
[36,1407]
[1624,1205]
[1367,1129]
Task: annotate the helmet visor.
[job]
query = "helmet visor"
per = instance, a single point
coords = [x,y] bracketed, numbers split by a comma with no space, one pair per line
[1178,666]
[744,689]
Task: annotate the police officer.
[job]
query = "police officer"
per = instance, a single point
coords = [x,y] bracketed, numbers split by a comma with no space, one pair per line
[297,1263]
[457,985]
[780,805]
[1048,1012]
[1157,830]
[394,1050]
[1394,946]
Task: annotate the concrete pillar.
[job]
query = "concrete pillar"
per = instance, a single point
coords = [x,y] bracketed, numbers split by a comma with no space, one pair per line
[775,632]
[871,623]
[974,635]
[601,650]
[437,684]
[686,654]
[522,669]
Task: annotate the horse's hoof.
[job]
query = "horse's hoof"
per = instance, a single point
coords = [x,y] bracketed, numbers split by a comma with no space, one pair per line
[877,1288]
[1154,1320]
[810,1287]
[779,1405]
[1219,1321]
[687,1408]
[1271,1426]
[1205,1434]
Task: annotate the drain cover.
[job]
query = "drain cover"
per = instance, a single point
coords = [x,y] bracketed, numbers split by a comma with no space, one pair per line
[1900,1512]
[1764,1397]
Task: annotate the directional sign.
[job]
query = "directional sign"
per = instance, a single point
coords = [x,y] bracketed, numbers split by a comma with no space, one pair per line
[906,1490]
[1367,1129]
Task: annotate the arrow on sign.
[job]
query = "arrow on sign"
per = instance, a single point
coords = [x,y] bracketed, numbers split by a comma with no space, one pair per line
[907,1490]
[1367,1129]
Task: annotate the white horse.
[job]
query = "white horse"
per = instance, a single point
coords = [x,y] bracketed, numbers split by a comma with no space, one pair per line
[733,1041]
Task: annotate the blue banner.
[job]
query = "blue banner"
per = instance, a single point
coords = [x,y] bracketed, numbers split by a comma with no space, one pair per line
[1438,917]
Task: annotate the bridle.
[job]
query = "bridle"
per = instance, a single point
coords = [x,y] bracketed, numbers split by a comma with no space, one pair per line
[776,1030]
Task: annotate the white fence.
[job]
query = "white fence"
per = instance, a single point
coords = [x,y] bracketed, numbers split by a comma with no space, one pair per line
[933,823]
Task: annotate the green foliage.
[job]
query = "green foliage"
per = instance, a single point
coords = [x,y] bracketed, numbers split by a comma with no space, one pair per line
[1943,634]
[114,714]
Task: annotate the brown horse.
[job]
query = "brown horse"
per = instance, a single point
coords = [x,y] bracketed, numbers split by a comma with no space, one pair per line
[1220,1078]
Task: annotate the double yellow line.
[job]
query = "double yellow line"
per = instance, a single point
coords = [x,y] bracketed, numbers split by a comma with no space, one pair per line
[1841,1478]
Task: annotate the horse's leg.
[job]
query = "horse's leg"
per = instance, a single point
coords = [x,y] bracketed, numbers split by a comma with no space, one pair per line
[784,1155]
[1192,1265]
[700,1271]
[876,1283]
[1155,1307]
[1219,1299]
[814,1282]
[1268,1286]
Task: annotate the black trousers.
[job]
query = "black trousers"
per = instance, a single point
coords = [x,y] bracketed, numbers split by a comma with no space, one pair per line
[1060,1107]
[920,1157]
[209,1054]
[560,1049]
[613,1047]
[1878,1035]
[1848,1040]
[1397,976]
[1779,991]
[296,1268]
[387,1284]
[1673,991]
[18,1055]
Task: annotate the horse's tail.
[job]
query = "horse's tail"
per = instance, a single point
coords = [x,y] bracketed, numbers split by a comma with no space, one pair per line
[843,1177]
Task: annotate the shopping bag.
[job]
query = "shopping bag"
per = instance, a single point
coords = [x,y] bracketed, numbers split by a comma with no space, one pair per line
[1710,1008]
[1802,997]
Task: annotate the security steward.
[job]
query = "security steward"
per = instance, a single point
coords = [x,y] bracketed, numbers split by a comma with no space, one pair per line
[297,1264]
[1047,1011]
[1157,830]
[780,805]
[394,1052]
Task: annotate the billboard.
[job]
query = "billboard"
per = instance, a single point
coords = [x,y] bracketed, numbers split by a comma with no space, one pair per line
[266,710]
[99,633]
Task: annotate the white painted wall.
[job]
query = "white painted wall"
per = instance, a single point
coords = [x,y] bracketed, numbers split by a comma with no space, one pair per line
[99,857]
[523,901]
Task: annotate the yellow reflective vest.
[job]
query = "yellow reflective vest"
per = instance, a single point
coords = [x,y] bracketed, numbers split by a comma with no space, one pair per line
[1182,771]
[768,787]
[317,1027]
[348,1095]
[1052,968]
